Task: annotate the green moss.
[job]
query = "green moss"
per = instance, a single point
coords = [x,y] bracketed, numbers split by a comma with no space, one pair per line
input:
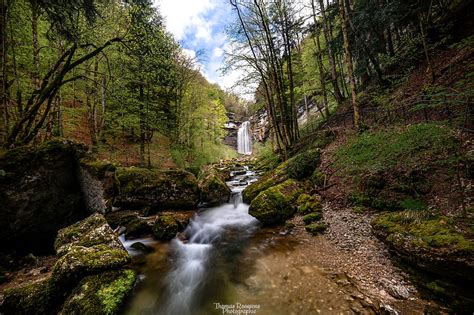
[276,204]
[302,165]
[98,168]
[316,228]
[100,294]
[80,261]
[77,233]
[424,230]
[358,209]
[312,217]
[375,151]
[33,298]
[166,227]
[265,182]
[317,178]
[307,204]
[413,204]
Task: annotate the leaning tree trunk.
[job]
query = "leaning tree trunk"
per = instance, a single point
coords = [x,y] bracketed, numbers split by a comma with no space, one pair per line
[348,59]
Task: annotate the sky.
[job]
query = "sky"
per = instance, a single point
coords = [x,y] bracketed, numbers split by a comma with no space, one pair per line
[199,26]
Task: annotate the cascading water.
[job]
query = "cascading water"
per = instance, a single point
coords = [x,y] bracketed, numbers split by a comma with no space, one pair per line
[213,239]
[244,140]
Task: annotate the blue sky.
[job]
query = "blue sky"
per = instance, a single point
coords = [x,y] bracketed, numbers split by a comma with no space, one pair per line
[199,25]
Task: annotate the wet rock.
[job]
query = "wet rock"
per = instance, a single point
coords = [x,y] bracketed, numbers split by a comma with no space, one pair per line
[40,193]
[141,247]
[212,186]
[140,187]
[81,261]
[166,227]
[276,204]
[94,230]
[100,294]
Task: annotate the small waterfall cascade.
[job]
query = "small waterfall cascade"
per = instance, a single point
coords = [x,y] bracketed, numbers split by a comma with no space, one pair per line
[244,140]
[210,236]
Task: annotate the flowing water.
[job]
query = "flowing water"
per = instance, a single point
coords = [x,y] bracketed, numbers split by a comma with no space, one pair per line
[198,265]
[244,140]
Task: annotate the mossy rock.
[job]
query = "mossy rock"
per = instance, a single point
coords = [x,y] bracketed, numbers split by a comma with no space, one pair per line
[276,204]
[99,168]
[171,189]
[297,167]
[268,180]
[312,217]
[81,261]
[104,293]
[33,298]
[317,178]
[91,231]
[40,193]
[212,186]
[427,241]
[316,228]
[166,227]
[302,165]
[307,203]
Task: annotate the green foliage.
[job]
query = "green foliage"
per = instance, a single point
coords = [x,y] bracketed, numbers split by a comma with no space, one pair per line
[267,159]
[302,165]
[380,150]
[413,204]
[312,217]
[316,228]
[424,229]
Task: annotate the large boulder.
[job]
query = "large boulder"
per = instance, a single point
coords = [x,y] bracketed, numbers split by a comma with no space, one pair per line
[100,294]
[90,265]
[87,247]
[212,186]
[167,226]
[429,242]
[135,226]
[40,193]
[277,203]
[171,189]
[298,167]
[92,231]
[39,297]
[98,184]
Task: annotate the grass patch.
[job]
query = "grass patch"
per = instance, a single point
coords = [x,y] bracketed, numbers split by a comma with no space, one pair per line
[381,150]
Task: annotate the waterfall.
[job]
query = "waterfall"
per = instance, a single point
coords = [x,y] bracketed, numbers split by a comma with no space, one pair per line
[244,141]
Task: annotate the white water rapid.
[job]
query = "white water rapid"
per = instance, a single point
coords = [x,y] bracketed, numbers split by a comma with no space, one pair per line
[244,140]
[212,237]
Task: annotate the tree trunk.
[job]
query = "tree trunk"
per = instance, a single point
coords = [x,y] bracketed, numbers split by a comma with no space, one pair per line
[34,31]
[348,59]
[142,125]
[317,45]
[330,52]
[3,79]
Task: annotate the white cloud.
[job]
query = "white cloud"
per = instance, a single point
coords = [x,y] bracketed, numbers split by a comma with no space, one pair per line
[199,26]
[181,15]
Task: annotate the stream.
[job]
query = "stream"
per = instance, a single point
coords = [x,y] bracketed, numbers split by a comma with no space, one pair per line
[225,263]
[199,269]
